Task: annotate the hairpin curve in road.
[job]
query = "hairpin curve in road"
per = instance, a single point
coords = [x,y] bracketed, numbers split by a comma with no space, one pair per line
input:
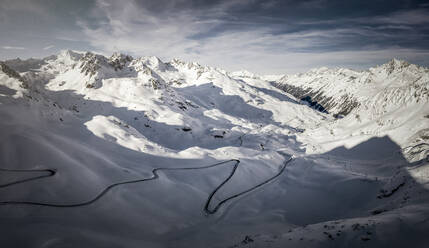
[155,175]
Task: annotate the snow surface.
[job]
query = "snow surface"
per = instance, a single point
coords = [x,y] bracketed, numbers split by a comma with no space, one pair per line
[361,180]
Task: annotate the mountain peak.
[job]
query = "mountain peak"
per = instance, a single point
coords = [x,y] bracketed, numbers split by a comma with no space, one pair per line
[119,60]
[70,54]
[120,56]
[103,120]
[395,64]
[244,74]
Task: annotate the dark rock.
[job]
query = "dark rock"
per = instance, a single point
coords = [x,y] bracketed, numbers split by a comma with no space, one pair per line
[247,240]
[365,238]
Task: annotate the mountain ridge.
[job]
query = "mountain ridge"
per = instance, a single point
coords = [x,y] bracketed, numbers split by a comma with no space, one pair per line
[98,121]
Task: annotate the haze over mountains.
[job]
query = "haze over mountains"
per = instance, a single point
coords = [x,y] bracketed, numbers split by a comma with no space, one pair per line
[326,158]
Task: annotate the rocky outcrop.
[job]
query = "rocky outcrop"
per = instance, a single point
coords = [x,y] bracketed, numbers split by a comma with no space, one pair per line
[90,63]
[13,74]
[379,89]
[118,61]
[317,100]
[20,65]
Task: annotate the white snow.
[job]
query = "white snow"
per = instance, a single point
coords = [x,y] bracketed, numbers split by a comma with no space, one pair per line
[358,180]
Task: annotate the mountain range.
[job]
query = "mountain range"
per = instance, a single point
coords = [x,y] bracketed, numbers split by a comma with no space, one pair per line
[119,151]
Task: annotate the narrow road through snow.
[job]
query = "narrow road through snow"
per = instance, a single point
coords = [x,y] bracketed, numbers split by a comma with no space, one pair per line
[207,208]
[50,172]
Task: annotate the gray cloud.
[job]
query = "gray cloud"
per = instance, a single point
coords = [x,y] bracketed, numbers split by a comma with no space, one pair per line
[263,36]
[13,48]
[48,47]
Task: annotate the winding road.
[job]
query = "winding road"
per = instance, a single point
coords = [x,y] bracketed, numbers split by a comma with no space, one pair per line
[50,172]
[155,175]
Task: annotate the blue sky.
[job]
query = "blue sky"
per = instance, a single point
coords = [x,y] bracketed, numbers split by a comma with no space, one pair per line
[261,36]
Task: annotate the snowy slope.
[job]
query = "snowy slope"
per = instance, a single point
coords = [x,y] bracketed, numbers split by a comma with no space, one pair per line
[75,123]
[390,99]
[342,90]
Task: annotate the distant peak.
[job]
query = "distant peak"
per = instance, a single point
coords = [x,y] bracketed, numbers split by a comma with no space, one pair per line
[66,56]
[395,64]
[151,61]
[190,65]
[155,60]
[177,61]
[90,56]
[120,56]
[119,60]
[244,74]
[65,52]
[398,62]
[69,53]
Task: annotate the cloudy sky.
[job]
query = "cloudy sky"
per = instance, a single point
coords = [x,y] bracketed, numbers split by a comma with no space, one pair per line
[271,36]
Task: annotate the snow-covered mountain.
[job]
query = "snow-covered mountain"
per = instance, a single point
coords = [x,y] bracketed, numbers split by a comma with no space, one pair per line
[128,152]
[340,91]
[388,99]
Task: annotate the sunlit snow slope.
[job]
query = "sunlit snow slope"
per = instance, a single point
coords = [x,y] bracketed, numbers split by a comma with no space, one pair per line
[136,152]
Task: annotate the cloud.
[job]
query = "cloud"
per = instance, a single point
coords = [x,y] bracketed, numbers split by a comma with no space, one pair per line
[262,36]
[407,17]
[254,35]
[48,47]
[25,6]
[13,48]
[130,28]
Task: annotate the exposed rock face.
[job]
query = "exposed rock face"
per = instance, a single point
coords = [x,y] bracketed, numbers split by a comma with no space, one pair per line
[318,100]
[103,122]
[90,63]
[11,73]
[20,65]
[342,91]
[119,61]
